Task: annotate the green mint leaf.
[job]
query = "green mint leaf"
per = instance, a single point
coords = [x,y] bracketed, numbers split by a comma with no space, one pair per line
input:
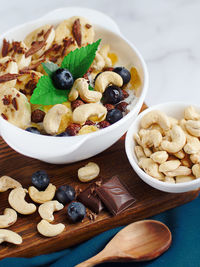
[79,60]
[50,67]
[91,88]
[46,94]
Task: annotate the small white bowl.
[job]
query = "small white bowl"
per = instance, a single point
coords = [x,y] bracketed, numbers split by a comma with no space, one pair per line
[173,109]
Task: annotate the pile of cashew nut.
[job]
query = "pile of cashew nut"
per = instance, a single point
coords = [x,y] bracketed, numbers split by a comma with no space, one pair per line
[169,149]
[47,207]
[18,204]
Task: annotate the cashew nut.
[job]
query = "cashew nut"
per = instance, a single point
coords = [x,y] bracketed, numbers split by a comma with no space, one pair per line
[89,172]
[183,178]
[10,236]
[180,154]
[47,229]
[17,201]
[169,180]
[46,209]
[191,114]
[80,87]
[8,218]
[99,62]
[178,140]
[53,118]
[155,116]
[195,158]
[139,152]
[182,123]
[169,165]
[151,138]
[83,112]
[193,127]
[151,168]
[146,150]
[7,182]
[42,196]
[192,145]
[196,170]
[181,170]
[159,156]
[106,78]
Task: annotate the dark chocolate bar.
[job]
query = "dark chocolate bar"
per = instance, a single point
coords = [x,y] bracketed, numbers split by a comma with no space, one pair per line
[115,196]
[90,199]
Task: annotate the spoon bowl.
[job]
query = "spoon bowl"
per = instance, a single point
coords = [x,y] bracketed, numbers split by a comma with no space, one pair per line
[139,241]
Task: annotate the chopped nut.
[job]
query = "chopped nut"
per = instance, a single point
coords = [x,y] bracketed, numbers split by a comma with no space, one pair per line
[76,30]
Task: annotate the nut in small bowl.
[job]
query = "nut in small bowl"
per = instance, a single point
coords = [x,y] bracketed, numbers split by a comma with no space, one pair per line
[171,159]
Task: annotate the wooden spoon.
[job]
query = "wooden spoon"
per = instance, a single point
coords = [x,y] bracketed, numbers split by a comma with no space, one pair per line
[139,241]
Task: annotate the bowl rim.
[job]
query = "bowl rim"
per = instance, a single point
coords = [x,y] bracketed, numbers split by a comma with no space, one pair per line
[130,151]
[106,130]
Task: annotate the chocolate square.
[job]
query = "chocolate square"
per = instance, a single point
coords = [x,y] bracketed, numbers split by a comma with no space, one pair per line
[90,199]
[115,196]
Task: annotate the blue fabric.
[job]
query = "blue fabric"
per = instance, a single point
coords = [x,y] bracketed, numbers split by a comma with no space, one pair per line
[183,221]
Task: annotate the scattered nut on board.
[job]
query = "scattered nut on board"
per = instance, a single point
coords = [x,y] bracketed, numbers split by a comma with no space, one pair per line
[7,182]
[10,237]
[89,172]
[47,209]
[49,230]
[42,196]
[8,218]
[17,201]
[169,149]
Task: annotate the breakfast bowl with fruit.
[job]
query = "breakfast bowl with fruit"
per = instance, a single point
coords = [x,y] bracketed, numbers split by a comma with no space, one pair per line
[70,85]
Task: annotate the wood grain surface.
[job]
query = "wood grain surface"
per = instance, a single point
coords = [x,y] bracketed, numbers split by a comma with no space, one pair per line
[113,161]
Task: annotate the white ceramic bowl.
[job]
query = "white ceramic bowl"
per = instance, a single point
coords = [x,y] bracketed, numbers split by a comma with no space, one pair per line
[174,109]
[61,150]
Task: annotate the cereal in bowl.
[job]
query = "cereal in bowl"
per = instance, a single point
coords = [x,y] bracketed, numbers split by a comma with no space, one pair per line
[59,81]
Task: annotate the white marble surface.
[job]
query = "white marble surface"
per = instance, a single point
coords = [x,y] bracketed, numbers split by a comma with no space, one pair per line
[165,31]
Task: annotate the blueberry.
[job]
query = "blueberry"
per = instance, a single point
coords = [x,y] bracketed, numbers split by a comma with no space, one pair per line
[114,115]
[112,95]
[62,79]
[76,211]
[124,73]
[40,180]
[65,194]
[63,134]
[33,130]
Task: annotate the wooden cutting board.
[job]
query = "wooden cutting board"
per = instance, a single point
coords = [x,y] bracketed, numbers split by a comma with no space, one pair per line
[112,161]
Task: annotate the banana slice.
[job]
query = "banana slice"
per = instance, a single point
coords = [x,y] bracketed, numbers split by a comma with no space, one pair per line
[16,50]
[39,40]
[27,82]
[14,107]
[57,52]
[8,66]
[65,29]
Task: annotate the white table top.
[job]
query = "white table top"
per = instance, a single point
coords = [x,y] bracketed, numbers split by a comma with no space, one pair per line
[166,33]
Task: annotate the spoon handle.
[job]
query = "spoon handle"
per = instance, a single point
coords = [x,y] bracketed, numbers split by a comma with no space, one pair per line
[99,258]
